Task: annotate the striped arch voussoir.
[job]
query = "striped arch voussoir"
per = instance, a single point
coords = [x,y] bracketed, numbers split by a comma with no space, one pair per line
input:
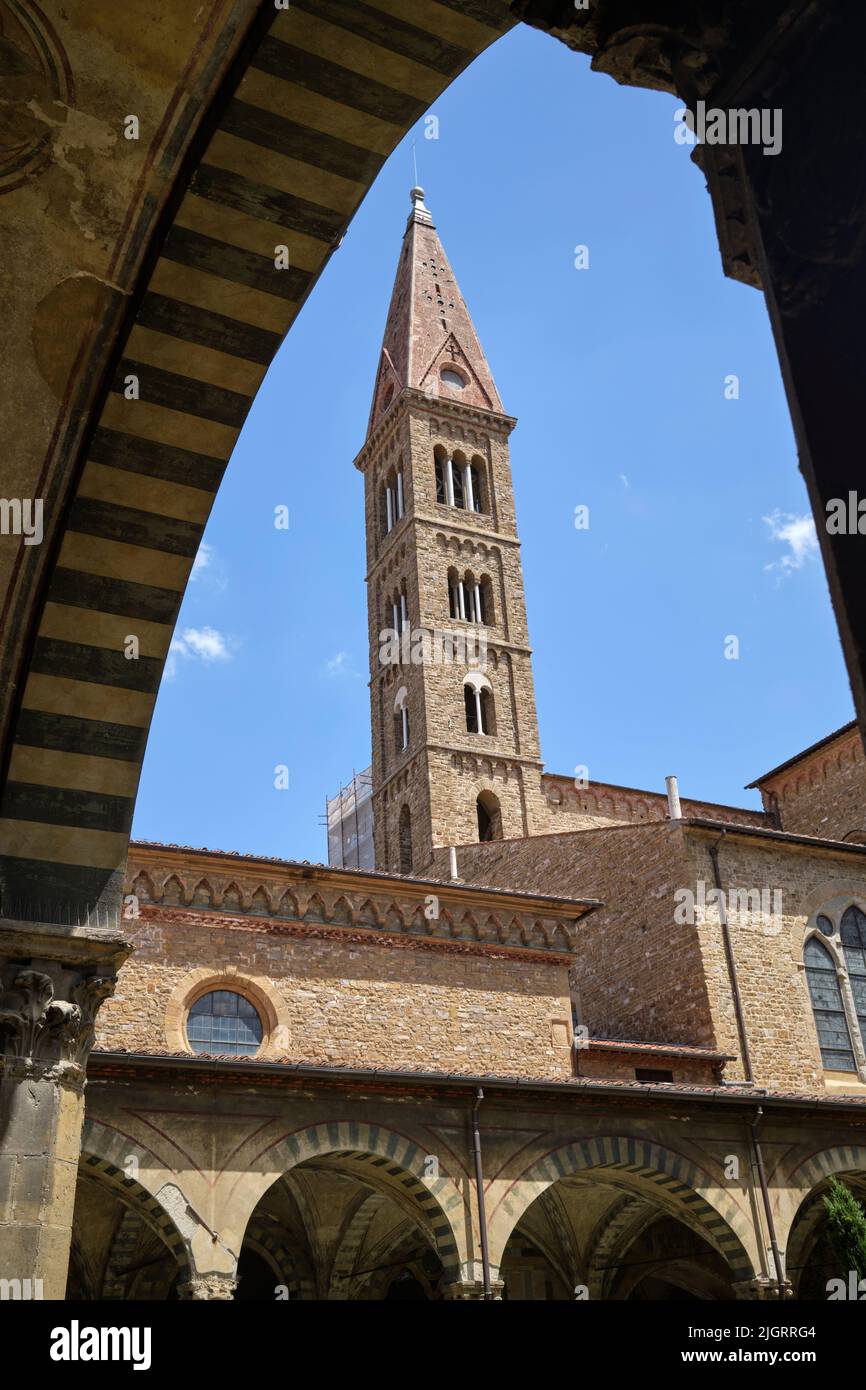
[390,1163]
[106,1155]
[702,1204]
[845,1158]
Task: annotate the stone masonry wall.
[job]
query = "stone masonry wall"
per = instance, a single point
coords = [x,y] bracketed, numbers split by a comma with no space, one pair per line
[336,1000]
[780,1026]
[642,974]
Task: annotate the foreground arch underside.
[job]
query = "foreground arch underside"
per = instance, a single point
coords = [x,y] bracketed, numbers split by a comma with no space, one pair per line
[306,105]
[157,286]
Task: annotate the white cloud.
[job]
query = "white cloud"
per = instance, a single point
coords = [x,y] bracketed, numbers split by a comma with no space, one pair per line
[625,482]
[798,534]
[341,665]
[196,643]
[202,561]
[208,569]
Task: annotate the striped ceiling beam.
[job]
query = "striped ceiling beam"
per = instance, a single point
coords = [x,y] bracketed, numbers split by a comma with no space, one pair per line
[330,90]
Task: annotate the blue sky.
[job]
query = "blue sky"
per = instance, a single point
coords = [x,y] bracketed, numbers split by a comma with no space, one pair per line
[699,522]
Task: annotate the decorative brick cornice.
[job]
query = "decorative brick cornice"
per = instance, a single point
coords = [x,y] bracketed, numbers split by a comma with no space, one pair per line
[492,421]
[601,796]
[365,936]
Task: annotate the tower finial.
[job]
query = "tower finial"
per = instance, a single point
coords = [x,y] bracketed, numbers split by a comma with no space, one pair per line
[419,213]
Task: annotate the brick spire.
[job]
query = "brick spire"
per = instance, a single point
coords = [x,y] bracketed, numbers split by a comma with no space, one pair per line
[429,329]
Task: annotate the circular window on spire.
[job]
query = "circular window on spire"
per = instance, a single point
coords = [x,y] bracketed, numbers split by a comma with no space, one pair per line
[451,377]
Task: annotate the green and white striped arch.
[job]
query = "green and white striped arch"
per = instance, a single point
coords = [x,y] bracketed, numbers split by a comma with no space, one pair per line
[326,90]
[671,1179]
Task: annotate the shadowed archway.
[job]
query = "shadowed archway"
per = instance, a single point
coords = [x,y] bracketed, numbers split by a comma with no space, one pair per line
[569,1218]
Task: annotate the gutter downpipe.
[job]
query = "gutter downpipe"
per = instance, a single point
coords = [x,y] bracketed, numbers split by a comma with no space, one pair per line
[747,1066]
[479,1189]
[768,1211]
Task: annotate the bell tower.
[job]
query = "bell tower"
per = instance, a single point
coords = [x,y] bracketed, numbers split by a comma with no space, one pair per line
[455,737]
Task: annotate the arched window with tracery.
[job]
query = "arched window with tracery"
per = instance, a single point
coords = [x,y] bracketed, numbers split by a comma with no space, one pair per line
[440,463]
[470,599]
[458,482]
[828,1007]
[852,931]
[456,596]
[397,611]
[476,487]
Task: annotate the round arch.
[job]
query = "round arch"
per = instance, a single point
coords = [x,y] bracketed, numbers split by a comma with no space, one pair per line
[802,1211]
[270,1005]
[812,1171]
[235,215]
[382,1160]
[123,1167]
[676,1183]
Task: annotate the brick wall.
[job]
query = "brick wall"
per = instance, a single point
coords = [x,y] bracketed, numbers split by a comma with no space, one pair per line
[568,806]
[439,777]
[823,793]
[639,975]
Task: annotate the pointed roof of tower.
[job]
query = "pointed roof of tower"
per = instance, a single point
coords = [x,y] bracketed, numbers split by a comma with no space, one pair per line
[430,343]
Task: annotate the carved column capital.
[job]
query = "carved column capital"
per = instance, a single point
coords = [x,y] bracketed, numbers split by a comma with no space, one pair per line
[676,46]
[472,1290]
[52,984]
[41,1028]
[762,1287]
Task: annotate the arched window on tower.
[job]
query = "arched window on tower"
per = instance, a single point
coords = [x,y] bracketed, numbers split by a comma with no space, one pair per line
[828,1007]
[458,482]
[440,464]
[489,815]
[393,500]
[405,840]
[478,703]
[475,486]
[401,720]
[456,595]
[397,612]
[458,479]
[474,598]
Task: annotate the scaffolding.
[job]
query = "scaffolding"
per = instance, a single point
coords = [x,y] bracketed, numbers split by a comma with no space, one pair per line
[349,818]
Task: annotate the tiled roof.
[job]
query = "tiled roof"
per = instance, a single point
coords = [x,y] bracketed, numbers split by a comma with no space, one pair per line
[330,1070]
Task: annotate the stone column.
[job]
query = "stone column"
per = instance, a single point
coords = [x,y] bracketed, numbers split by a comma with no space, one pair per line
[208,1286]
[52,982]
[762,1287]
[472,1290]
